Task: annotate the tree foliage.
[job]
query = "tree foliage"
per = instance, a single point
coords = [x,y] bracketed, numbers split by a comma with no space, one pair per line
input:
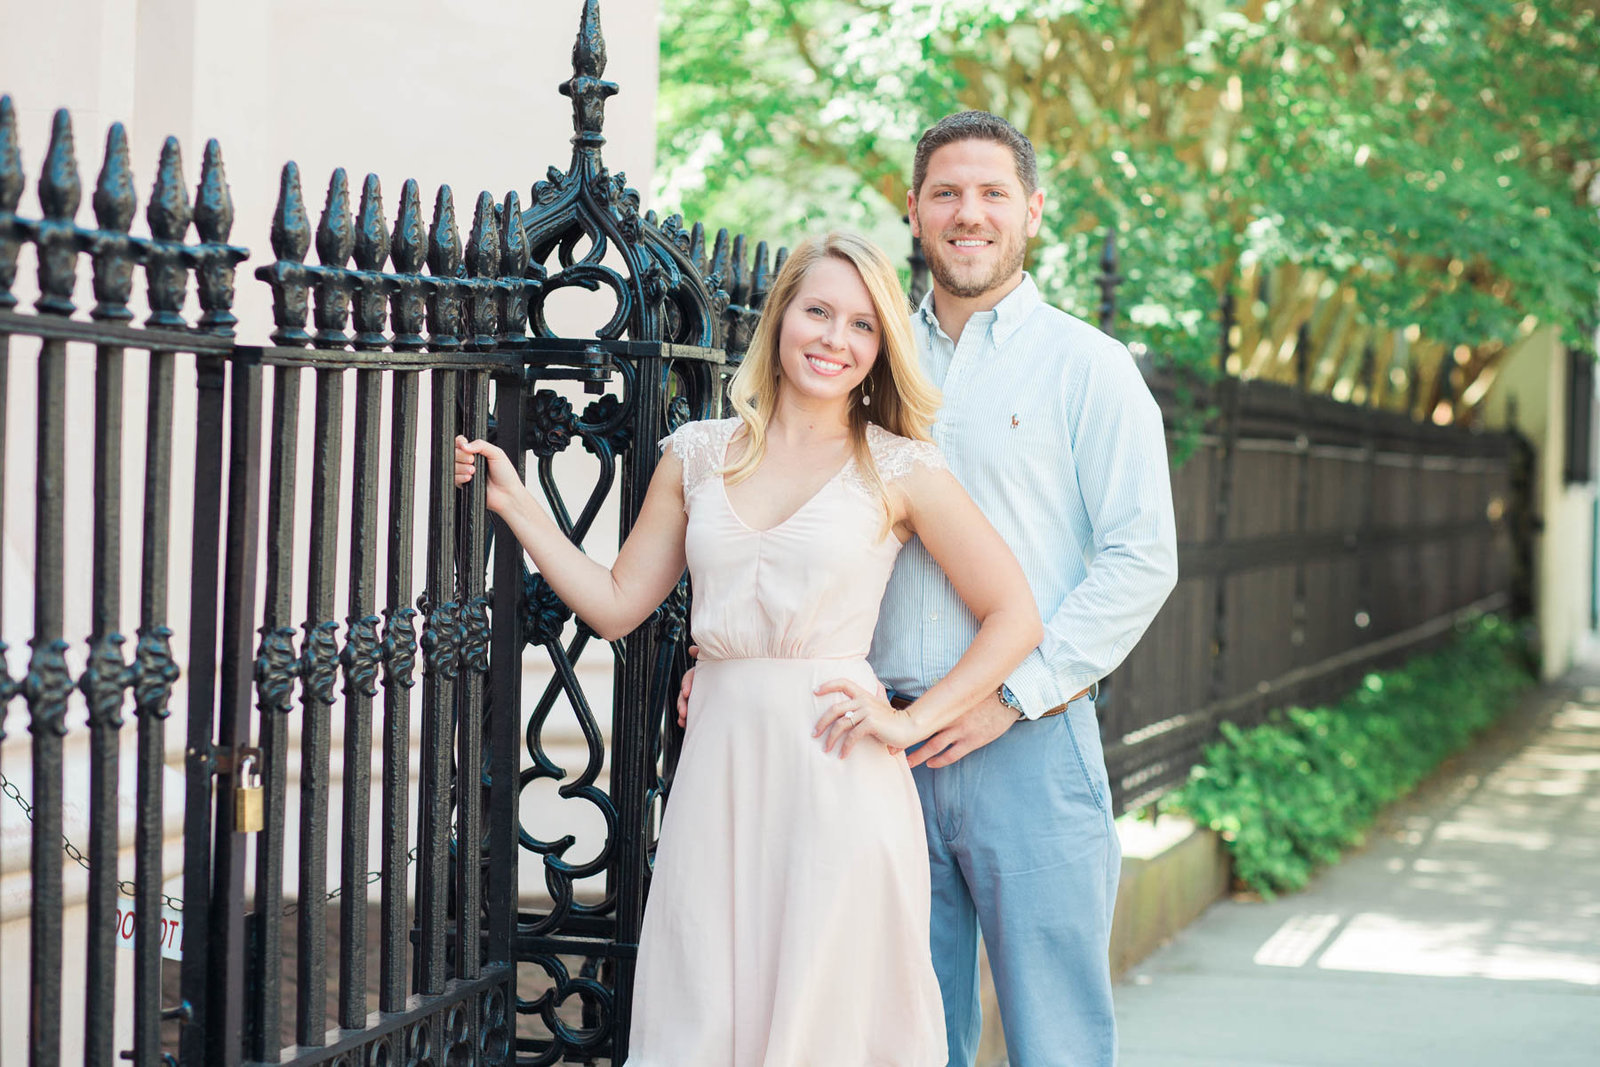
[1432,159]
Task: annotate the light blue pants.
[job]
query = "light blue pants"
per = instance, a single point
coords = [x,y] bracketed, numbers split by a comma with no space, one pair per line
[1022,848]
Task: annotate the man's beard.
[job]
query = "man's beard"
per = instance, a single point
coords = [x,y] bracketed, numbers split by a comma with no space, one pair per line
[964,284]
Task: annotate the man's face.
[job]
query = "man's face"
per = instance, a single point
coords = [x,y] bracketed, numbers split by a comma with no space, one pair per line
[974,218]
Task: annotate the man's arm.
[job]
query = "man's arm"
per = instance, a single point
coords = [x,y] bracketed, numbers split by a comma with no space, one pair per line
[1119,447]
[1119,444]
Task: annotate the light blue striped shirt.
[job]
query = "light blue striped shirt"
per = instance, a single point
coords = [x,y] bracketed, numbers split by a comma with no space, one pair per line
[1049,425]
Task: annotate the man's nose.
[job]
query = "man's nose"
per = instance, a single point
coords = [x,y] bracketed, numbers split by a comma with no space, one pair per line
[969,209]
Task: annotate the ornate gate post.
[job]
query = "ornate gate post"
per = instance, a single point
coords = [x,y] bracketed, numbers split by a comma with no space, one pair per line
[680,317]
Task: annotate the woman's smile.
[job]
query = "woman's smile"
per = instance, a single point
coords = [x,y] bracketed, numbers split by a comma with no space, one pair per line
[823,365]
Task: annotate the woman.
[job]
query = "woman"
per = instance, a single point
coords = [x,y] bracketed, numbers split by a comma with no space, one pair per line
[787,923]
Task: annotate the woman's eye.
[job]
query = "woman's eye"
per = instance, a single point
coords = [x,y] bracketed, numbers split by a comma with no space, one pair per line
[863,324]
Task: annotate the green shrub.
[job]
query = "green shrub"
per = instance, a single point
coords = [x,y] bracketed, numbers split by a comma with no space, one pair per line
[1293,793]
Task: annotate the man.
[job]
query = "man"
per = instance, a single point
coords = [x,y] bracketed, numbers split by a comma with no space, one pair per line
[1051,429]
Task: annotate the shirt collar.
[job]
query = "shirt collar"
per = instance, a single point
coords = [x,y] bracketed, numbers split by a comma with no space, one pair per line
[1009,314]
[925,311]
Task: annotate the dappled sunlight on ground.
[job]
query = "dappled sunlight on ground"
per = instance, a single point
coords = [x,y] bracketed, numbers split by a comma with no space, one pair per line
[1297,940]
[1466,930]
[1494,884]
[1481,949]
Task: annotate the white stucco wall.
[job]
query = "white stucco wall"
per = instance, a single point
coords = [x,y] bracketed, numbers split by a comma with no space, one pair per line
[1533,380]
[458,92]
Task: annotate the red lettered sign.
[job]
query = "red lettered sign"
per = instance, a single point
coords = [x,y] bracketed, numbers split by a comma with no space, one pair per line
[170,929]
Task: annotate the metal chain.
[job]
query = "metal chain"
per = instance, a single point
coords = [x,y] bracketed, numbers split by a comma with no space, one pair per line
[126,887]
[372,876]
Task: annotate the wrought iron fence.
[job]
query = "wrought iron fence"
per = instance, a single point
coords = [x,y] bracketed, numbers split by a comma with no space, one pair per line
[465,1000]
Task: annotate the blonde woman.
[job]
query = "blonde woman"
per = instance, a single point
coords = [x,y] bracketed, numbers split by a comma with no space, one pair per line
[787,923]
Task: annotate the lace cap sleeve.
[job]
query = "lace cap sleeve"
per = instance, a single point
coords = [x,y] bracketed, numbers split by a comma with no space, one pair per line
[897,456]
[699,447]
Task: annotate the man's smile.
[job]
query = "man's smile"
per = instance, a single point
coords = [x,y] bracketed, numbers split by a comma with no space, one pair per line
[968,244]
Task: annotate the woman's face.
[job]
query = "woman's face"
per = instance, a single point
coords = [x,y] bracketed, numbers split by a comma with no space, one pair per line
[829,337]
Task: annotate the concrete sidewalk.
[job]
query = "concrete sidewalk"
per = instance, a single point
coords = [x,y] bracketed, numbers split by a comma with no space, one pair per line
[1466,932]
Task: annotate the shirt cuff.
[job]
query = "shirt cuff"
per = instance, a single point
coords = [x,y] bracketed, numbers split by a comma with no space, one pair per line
[1034,687]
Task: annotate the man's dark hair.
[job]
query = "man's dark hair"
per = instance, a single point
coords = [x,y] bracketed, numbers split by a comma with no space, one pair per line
[976,126]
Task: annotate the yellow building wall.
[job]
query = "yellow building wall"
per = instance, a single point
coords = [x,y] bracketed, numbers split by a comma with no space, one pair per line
[1530,392]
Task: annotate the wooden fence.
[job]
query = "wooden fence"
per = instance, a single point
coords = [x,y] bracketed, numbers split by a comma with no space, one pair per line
[1317,541]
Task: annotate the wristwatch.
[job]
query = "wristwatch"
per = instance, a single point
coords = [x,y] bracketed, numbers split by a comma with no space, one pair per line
[1009,699]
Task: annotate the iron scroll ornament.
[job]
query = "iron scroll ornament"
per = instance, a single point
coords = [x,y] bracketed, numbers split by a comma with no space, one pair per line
[670,291]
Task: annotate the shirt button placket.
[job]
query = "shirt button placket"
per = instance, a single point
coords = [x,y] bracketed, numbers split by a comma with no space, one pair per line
[950,353]
[960,356]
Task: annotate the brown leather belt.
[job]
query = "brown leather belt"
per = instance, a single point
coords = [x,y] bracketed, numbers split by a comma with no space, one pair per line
[903,702]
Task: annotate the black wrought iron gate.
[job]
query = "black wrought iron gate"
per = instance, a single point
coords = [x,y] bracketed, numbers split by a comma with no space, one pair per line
[289,632]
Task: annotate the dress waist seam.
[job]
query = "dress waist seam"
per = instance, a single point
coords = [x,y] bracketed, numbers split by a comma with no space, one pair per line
[705,659]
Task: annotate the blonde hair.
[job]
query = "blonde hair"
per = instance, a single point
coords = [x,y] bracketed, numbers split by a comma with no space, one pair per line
[904,401]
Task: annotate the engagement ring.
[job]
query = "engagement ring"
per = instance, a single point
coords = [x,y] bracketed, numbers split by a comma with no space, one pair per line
[849,716]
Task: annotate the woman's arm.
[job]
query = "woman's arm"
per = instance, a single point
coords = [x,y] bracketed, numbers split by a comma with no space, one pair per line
[988,578]
[614,600]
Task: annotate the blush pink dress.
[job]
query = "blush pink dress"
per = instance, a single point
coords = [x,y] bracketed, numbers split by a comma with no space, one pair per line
[787,924]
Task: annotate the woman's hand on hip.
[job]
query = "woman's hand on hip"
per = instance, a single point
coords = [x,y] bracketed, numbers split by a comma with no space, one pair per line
[861,714]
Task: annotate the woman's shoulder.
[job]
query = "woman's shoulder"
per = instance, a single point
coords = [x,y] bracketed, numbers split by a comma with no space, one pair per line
[699,446]
[896,456]
[698,434]
[698,428]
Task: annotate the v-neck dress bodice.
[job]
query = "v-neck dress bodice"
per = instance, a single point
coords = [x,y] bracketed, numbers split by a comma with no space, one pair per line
[806,588]
[787,923]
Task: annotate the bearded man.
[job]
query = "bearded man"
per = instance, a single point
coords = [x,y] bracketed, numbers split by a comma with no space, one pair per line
[1049,426]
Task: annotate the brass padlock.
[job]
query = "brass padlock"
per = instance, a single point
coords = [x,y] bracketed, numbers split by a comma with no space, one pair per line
[249,801]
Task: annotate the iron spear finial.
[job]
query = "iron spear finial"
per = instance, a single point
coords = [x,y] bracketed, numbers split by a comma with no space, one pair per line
[586,87]
[589,50]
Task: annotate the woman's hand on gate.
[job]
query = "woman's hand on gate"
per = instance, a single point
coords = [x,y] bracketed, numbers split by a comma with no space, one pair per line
[504,485]
[862,713]
[612,600]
